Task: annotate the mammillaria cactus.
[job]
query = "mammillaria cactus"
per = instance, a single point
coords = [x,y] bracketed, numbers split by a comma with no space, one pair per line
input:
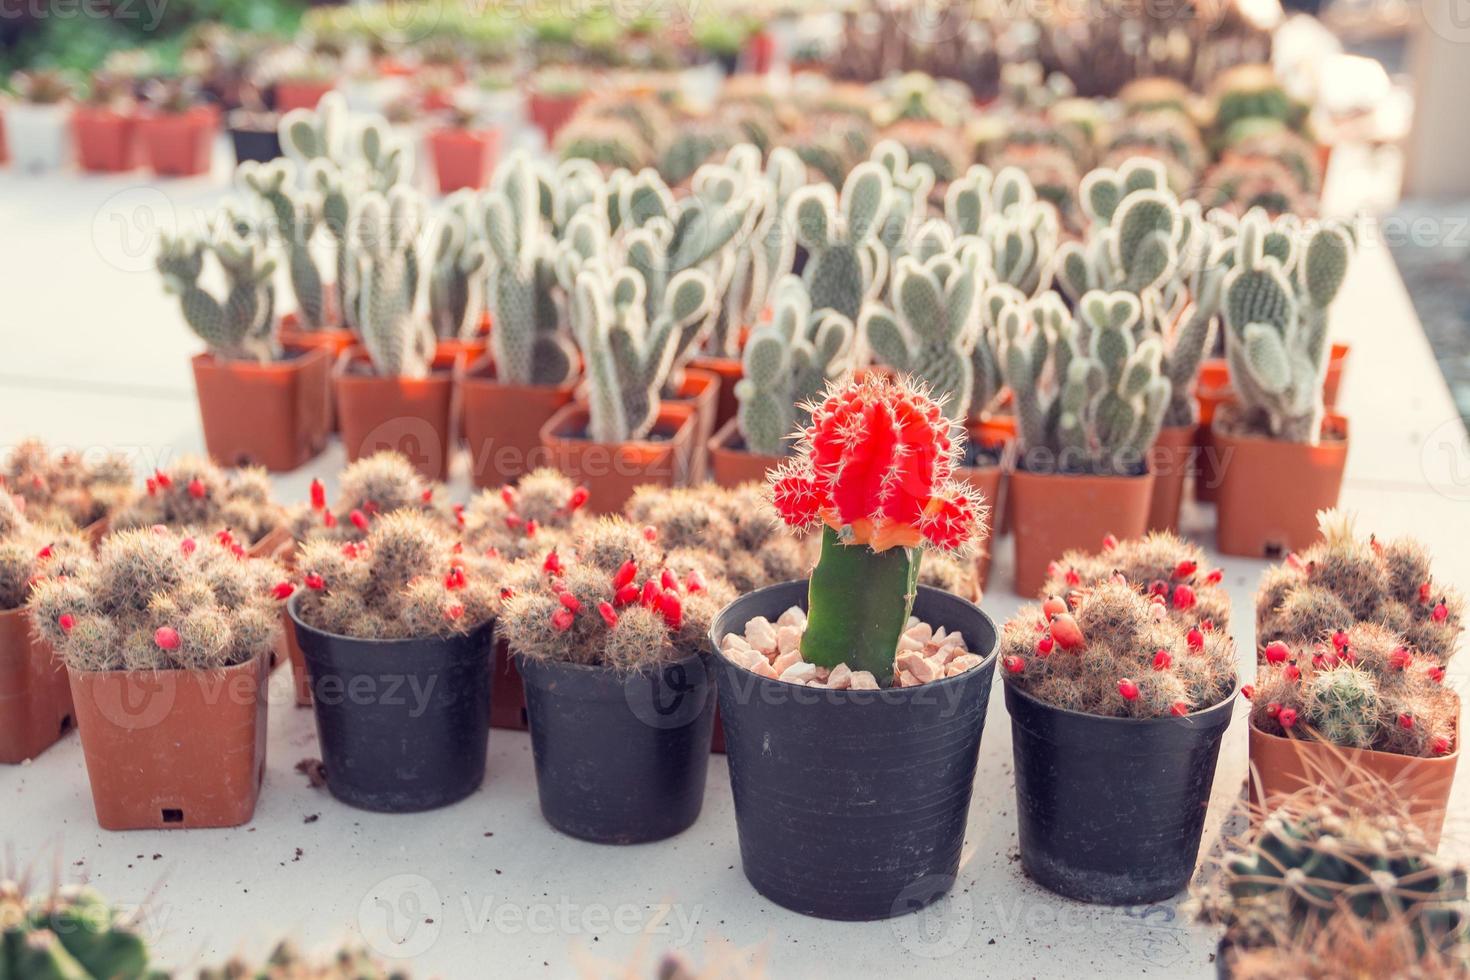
[1345,946]
[157,599]
[65,487]
[1159,564]
[873,470]
[613,598]
[1112,651]
[69,932]
[374,485]
[456,278]
[241,326]
[30,552]
[398,340]
[787,363]
[846,260]
[1344,579]
[1109,395]
[408,578]
[528,519]
[194,493]
[1276,299]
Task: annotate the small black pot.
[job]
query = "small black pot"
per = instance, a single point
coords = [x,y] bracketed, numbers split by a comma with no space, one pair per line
[403,724]
[852,804]
[620,757]
[1111,809]
[260,145]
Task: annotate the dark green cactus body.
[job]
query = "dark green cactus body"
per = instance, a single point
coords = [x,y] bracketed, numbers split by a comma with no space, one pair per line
[858,603]
[69,935]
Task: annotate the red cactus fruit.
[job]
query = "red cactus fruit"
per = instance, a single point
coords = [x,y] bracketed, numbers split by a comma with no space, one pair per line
[359,520]
[1436,674]
[315,582]
[626,572]
[1215,577]
[1073,577]
[282,590]
[552,565]
[1292,672]
[1184,597]
[508,496]
[650,533]
[1128,689]
[1162,660]
[224,537]
[694,581]
[1286,717]
[44,553]
[197,489]
[1066,632]
[650,594]
[1441,612]
[66,621]
[562,620]
[152,486]
[1158,587]
[570,601]
[1247,691]
[1195,638]
[578,499]
[1178,709]
[1406,721]
[454,612]
[1339,640]
[669,580]
[671,609]
[427,496]
[1186,568]
[1440,745]
[455,579]
[608,613]
[627,594]
[1044,646]
[329,519]
[1013,665]
[1277,652]
[1425,592]
[1273,709]
[164,480]
[1110,542]
[188,546]
[166,637]
[531,528]
[1207,625]
[1054,606]
[1400,658]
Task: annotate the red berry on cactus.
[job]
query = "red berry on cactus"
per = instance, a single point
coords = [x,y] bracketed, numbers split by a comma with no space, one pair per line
[1128,689]
[44,553]
[1066,632]
[1440,745]
[570,601]
[672,609]
[1441,612]
[315,582]
[626,572]
[454,612]
[329,519]
[1292,672]
[359,520]
[669,580]
[282,590]
[66,621]
[455,579]
[1184,597]
[552,565]
[318,495]
[167,638]
[578,499]
[1406,721]
[650,594]
[152,486]
[608,613]
[627,594]
[1074,577]
[562,620]
[1044,646]
[694,581]
[164,480]
[188,546]
[1158,587]
[508,497]
[650,533]
[1178,709]
[1186,568]
[1277,652]
[1273,709]
[1286,717]
[1109,542]
[1013,665]
[1425,593]
[1400,658]
[1436,674]
[1162,660]
[1054,606]
[427,496]
[1339,640]
[531,527]
[1195,638]
[197,489]
[1215,577]
[1247,691]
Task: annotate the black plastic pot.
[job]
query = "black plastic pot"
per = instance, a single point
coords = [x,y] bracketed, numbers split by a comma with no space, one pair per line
[620,757]
[260,145]
[852,804]
[1111,809]
[403,724]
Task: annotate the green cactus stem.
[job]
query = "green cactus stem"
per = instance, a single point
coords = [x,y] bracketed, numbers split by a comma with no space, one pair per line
[857,604]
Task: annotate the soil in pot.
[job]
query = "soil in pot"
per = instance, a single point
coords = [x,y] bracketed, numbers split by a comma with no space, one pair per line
[404,725]
[700,390]
[852,804]
[106,140]
[172,749]
[35,698]
[502,425]
[1283,766]
[1111,809]
[1171,459]
[179,144]
[289,417]
[612,471]
[1270,491]
[731,464]
[620,757]
[1053,513]
[463,158]
[412,416]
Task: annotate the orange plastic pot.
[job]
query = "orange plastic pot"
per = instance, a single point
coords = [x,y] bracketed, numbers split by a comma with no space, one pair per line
[986,479]
[463,158]
[179,144]
[35,698]
[276,415]
[1336,365]
[730,371]
[106,140]
[731,464]
[1171,459]
[412,416]
[173,748]
[1283,766]
[1212,391]
[300,94]
[502,425]
[551,112]
[1052,513]
[997,431]
[1270,491]
[611,471]
[700,390]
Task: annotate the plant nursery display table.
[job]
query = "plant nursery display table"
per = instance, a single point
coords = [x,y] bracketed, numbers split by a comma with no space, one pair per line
[94,359]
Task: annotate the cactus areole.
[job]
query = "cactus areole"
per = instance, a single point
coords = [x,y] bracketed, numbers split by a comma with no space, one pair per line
[873,470]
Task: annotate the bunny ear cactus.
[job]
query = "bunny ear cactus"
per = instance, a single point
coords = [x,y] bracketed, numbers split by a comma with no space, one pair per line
[788,363]
[398,341]
[846,261]
[242,325]
[911,183]
[455,279]
[1135,233]
[873,470]
[297,215]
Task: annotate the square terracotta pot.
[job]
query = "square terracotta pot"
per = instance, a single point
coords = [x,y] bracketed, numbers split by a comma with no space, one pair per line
[731,464]
[986,479]
[730,371]
[35,698]
[106,140]
[1270,491]
[179,144]
[502,425]
[700,390]
[1053,513]
[463,158]
[1172,460]
[290,408]
[611,471]
[413,416]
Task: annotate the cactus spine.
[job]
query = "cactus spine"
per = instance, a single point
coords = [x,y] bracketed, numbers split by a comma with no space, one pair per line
[241,326]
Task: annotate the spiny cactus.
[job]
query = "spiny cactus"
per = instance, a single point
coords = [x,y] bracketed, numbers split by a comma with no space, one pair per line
[241,326]
[873,470]
[374,485]
[529,342]
[1113,651]
[1002,210]
[408,577]
[30,552]
[1345,946]
[69,932]
[297,214]
[911,185]
[529,519]
[194,493]
[1135,227]
[1275,308]
[65,488]
[788,363]
[612,598]
[1107,396]
[286,962]
[368,153]
[456,276]
[157,599]
[847,263]
[1159,564]
[398,340]
[629,358]
[934,324]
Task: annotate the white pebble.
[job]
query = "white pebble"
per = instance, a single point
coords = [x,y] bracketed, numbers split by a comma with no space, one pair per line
[863,680]
[795,616]
[760,634]
[840,678]
[763,667]
[800,673]
[788,638]
[786,660]
[961,664]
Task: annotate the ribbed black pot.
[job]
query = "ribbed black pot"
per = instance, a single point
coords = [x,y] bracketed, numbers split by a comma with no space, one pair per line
[260,145]
[620,757]
[403,724]
[852,804]
[1111,809]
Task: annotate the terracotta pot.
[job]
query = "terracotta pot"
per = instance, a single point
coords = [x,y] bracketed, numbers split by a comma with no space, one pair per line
[1336,365]
[300,678]
[1211,392]
[179,144]
[986,479]
[35,698]
[700,390]
[446,352]
[508,692]
[551,112]
[730,371]
[1056,512]
[997,431]
[731,464]
[1270,491]
[275,544]
[463,158]
[1282,766]
[413,416]
[106,140]
[1171,459]
[172,749]
[300,94]
[502,425]
[290,409]
[335,340]
[612,471]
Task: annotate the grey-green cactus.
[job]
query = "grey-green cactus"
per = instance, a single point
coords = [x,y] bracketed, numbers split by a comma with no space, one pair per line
[241,326]
[529,343]
[911,183]
[933,326]
[370,154]
[1003,210]
[1136,230]
[456,277]
[297,216]
[398,340]
[787,364]
[628,358]
[1276,298]
[847,262]
[1089,396]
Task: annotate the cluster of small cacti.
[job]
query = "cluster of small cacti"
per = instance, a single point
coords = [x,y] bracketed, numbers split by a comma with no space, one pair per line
[846,259]
[160,599]
[1114,651]
[408,577]
[194,493]
[32,551]
[378,484]
[615,596]
[69,932]
[539,513]
[65,487]
[1159,564]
